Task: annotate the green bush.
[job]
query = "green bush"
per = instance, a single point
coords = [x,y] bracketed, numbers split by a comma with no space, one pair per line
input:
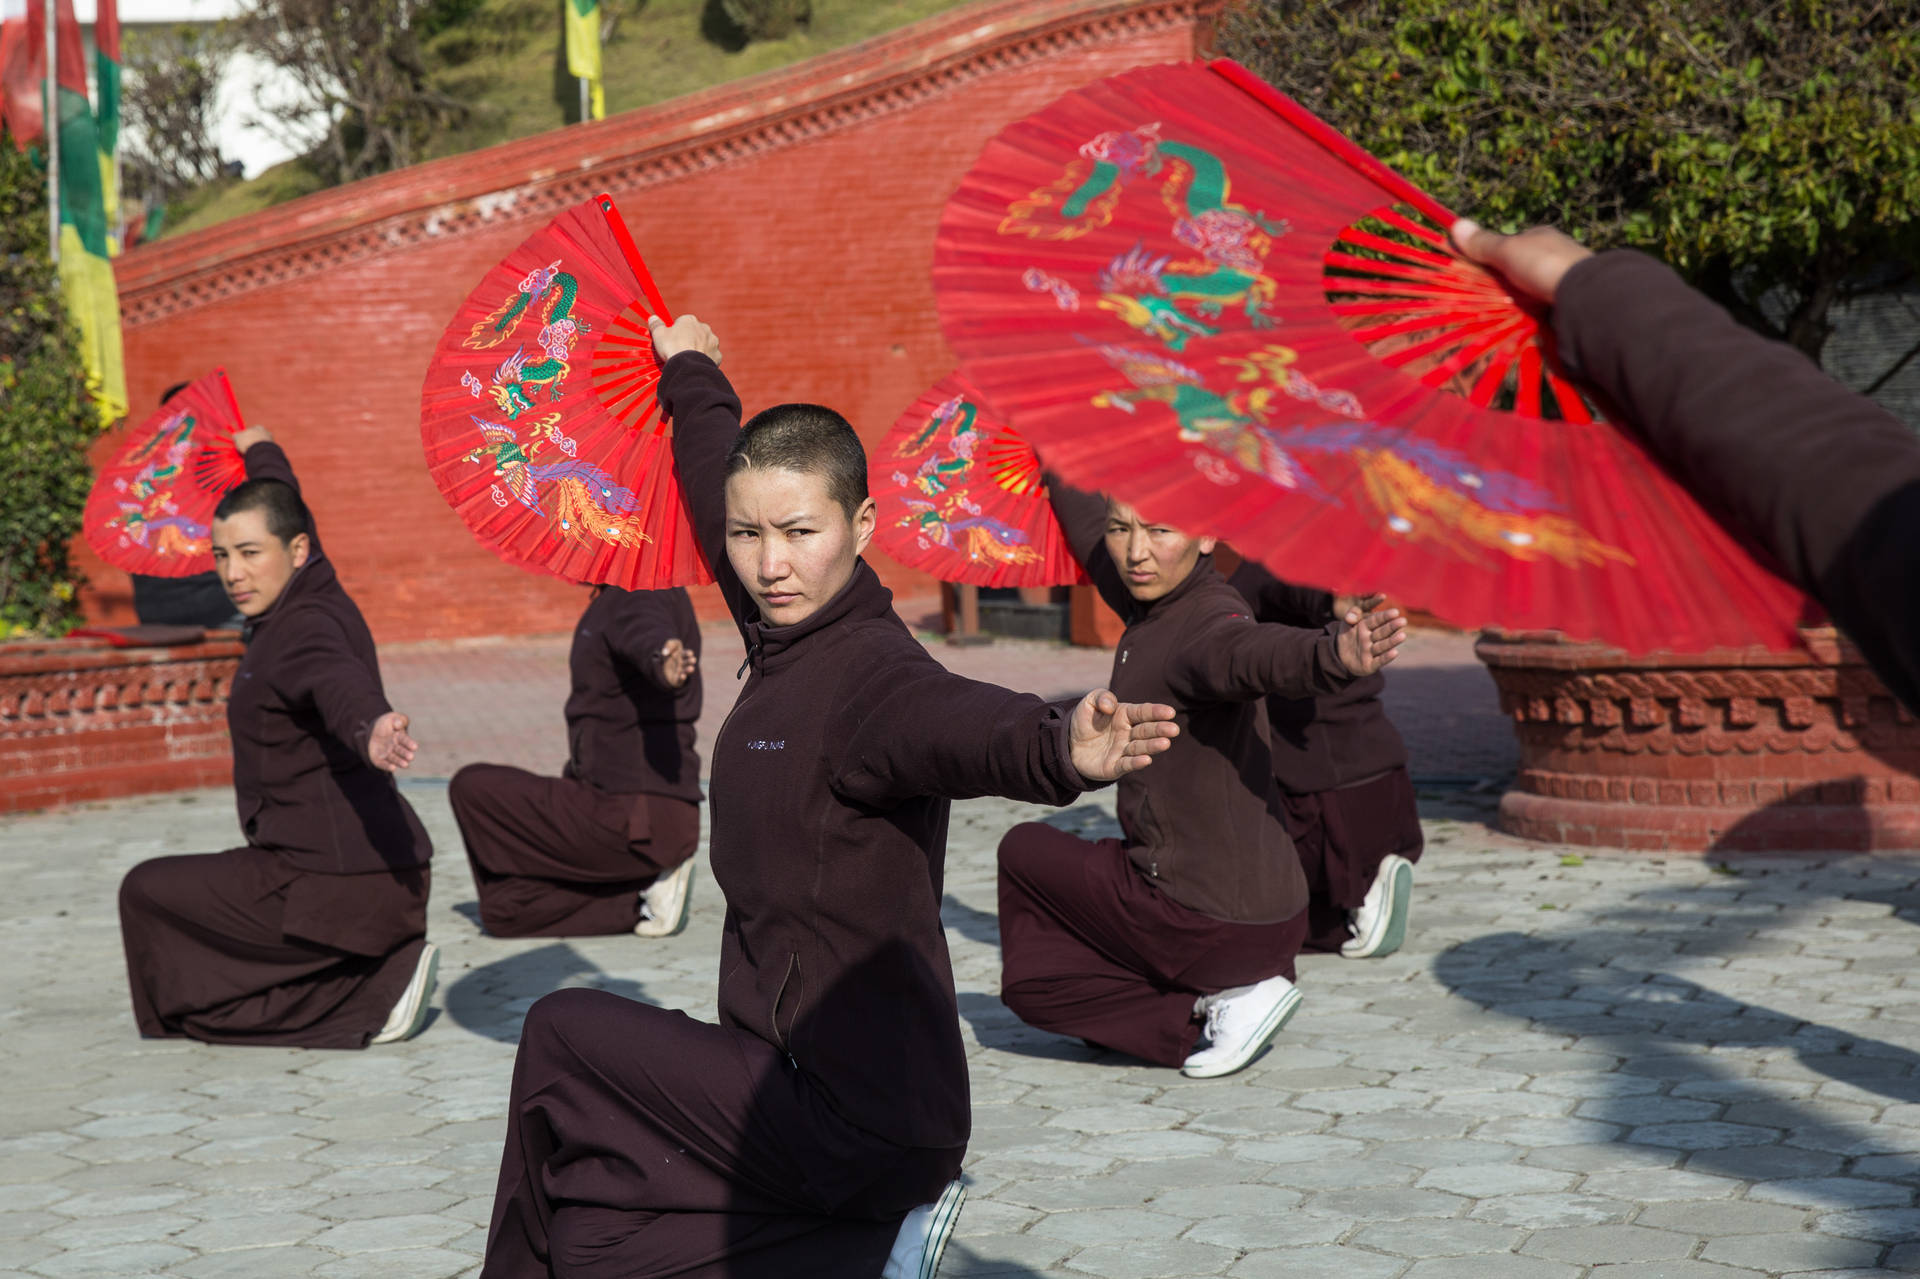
[46,418]
[1770,151]
[767,19]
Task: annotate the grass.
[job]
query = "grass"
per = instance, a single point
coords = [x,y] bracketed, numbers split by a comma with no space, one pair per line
[506,60]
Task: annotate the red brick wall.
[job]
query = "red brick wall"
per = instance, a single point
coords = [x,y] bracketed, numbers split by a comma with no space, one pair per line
[794,212]
[80,720]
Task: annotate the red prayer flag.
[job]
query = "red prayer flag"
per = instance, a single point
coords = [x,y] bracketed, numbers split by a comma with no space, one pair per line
[23,61]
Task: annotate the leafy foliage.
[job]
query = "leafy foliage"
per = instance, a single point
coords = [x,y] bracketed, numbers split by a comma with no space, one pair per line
[47,419]
[172,80]
[766,19]
[1770,151]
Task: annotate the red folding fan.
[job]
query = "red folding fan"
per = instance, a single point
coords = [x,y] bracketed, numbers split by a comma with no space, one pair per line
[151,507]
[960,497]
[1189,292]
[538,414]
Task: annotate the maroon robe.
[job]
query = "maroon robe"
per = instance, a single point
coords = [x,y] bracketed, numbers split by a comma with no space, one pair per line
[791,1138]
[309,933]
[570,855]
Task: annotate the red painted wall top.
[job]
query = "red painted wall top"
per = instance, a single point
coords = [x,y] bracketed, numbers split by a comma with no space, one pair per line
[794,211]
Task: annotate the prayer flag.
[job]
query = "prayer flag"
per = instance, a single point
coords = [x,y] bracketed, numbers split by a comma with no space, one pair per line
[106,80]
[583,50]
[86,274]
[23,59]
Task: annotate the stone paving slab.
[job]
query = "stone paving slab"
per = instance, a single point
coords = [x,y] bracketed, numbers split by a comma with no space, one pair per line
[1593,1066]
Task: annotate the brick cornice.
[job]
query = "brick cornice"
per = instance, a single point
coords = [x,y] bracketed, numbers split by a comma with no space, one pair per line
[629,152]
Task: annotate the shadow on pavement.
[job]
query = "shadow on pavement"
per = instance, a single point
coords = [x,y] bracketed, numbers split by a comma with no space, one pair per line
[1620,988]
[492,999]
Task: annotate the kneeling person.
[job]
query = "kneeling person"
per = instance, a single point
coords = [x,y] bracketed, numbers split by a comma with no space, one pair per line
[607,847]
[314,933]
[1342,770]
[1190,923]
[816,1131]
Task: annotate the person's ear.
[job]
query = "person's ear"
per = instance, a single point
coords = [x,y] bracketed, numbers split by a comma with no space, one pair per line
[864,521]
[1207,544]
[300,547]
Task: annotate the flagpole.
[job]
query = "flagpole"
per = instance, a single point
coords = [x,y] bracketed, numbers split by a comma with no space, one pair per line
[586,105]
[53,131]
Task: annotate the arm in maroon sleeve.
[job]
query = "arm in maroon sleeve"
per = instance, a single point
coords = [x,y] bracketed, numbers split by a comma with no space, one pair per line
[1824,479]
[700,402]
[640,630]
[1273,600]
[1236,659]
[926,731]
[320,670]
[268,461]
[1083,519]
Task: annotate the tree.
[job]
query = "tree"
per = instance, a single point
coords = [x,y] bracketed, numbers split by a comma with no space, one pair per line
[359,82]
[1770,151]
[47,418]
[173,77]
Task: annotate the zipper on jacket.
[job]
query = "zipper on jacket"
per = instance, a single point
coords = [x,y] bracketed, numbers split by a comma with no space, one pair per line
[747,661]
[793,962]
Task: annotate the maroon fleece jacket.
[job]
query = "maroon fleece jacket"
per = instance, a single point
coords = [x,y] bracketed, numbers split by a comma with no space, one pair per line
[1203,823]
[303,704]
[1824,480]
[628,732]
[830,787]
[1320,743]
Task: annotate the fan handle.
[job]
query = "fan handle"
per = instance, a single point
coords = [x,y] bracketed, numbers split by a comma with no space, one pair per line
[233,401]
[1332,139]
[631,252]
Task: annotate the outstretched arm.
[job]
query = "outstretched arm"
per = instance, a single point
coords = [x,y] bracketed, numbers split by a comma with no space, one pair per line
[646,637]
[1825,480]
[320,670]
[926,731]
[697,398]
[1236,659]
[1273,600]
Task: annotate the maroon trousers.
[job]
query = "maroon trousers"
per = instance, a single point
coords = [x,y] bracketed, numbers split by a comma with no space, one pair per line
[642,1143]
[1342,836]
[1090,947]
[555,857]
[241,948]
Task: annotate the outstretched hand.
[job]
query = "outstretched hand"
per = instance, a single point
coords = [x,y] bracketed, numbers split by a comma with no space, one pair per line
[247,437]
[1367,640]
[388,746]
[1109,737]
[1345,604]
[1533,261]
[676,663]
[685,334]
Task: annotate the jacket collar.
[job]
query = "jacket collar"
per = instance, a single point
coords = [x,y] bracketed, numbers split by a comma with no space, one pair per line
[863,598]
[1202,570]
[311,578]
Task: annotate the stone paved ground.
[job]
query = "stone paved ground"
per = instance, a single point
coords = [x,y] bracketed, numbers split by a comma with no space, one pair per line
[1621,1067]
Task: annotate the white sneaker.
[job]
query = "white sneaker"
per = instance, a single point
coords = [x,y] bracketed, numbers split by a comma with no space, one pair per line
[1380,925]
[1240,1022]
[663,903]
[923,1236]
[410,1013]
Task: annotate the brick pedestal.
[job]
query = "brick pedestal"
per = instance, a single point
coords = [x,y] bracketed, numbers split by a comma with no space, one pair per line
[1735,751]
[82,720]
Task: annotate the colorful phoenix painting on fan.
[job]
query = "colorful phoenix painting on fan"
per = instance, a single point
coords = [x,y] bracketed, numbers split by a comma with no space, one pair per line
[150,517]
[942,514]
[546,294]
[1234,405]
